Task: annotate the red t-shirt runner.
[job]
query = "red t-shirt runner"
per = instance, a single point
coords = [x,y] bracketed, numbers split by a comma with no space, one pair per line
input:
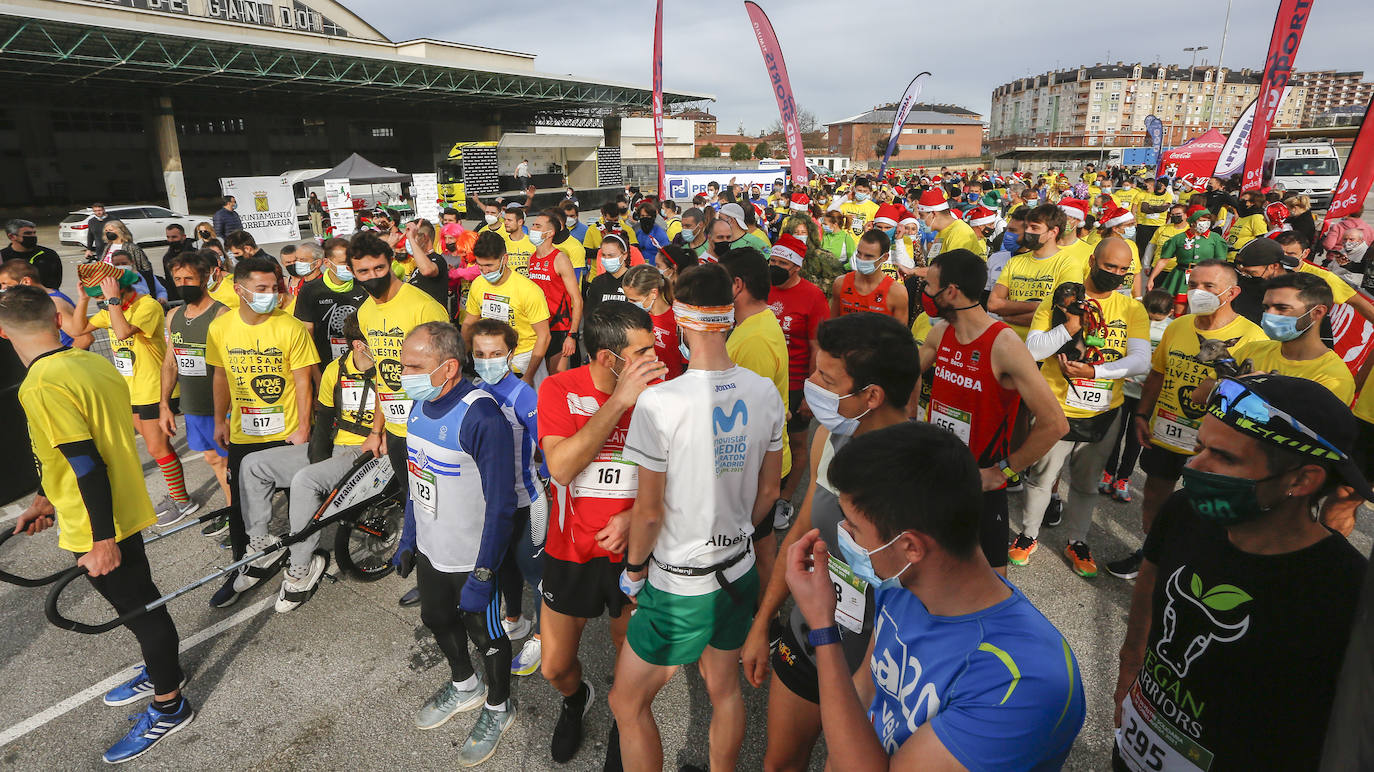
[607,487]
[541,272]
[851,302]
[800,310]
[666,344]
[966,398]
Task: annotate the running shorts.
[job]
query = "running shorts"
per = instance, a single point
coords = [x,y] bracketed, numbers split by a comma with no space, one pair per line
[669,629]
[200,434]
[152,412]
[796,422]
[1162,463]
[583,590]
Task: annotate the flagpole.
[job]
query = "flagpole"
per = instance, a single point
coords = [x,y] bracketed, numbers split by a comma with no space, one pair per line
[1216,83]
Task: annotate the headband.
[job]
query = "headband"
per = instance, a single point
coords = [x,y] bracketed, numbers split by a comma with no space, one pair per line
[704,318]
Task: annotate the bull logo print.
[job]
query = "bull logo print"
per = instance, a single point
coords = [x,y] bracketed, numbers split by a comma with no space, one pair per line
[1194,620]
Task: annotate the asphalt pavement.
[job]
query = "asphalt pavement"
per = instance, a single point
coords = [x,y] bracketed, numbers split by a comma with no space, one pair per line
[335,683]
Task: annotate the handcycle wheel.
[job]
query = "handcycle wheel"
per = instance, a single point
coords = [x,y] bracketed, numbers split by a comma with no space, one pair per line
[364,545]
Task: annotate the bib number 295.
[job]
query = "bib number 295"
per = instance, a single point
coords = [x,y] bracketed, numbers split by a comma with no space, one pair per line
[1144,748]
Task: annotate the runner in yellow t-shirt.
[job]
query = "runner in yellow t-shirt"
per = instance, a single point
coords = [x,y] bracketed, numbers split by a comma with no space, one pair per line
[1028,277]
[861,210]
[518,244]
[501,293]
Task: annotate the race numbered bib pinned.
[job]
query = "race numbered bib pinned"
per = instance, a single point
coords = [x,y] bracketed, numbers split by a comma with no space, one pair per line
[351,396]
[424,491]
[262,421]
[851,596]
[1175,430]
[936,247]
[607,480]
[1092,394]
[190,359]
[124,362]
[495,307]
[396,407]
[1155,745]
[337,347]
[958,421]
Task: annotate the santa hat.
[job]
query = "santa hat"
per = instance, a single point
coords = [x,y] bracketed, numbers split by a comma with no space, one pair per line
[789,248]
[758,213]
[887,215]
[907,218]
[932,200]
[800,202]
[956,214]
[901,191]
[936,178]
[1075,208]
[1276,212]
[980,215]
[1116,216]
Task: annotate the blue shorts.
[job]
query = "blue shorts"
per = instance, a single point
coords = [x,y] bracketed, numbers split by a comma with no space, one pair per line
[200,434]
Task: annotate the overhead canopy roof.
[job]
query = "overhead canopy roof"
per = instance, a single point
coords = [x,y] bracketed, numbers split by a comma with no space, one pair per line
[551,140]
[1086,151]
[360,171]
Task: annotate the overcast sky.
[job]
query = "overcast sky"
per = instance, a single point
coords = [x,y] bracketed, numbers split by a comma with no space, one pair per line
[845,56]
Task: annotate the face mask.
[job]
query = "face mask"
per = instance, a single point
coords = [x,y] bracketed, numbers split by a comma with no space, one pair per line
[417,385]
[1175,218]
[778,275]
[1224,500]
[342,273]
[491,219]
[111,235]
[861,197]
[928,305]
[1200,301]
[203,234]
[491,370]
[303,269]
[571,222]
[611,264]
[263,302]
[1031,241]
[29,242]
[1354,251]
[1282,328]
[688,234]
[826,227]
[825,406]
[536,237]
[972,198]
[376,287]
[494,276]
[858,559]
[1202,226]
[1010,243]
[191,293]
[646,224]
[721,248]
[568,193]
[1128,233]
[1105,281]
[865,267]
[682,347]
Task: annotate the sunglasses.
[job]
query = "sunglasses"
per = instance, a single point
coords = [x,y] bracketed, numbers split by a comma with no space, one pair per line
[1234,397]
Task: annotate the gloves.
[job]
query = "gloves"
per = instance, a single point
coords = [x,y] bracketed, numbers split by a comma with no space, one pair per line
[476,595]
[630,587]
[404,561]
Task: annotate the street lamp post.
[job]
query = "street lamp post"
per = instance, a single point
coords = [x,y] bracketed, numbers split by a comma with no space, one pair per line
[1216,82]
[1191,67]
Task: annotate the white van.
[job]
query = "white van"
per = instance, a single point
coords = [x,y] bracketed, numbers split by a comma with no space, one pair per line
[1307,166]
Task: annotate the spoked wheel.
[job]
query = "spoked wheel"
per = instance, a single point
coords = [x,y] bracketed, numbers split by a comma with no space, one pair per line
[364,546]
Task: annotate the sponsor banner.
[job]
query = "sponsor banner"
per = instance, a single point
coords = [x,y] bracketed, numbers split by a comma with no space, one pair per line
[1232,159]
[1359,172]
[913,91]
[424,188]
[338,197]
[681,186]
[1278,67]
[782,90]
[1154,129]
[658,92]
[1351,335]
[1193,162]
[266,206]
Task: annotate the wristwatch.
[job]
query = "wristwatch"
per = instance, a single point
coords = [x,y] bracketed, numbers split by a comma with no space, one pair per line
[1007,471]
[482,574]
[575,335]
[822,636]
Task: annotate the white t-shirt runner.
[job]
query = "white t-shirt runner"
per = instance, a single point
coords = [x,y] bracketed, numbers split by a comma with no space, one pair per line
[708,430]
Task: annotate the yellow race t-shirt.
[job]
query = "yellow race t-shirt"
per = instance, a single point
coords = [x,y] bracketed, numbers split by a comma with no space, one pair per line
[1152,199]
[224,292]
[258,360]
[1175,419]
[1074,266]
[352,409]
[1328,369]
[139,357]
[518,251]
[856,215]
[758,344]
[517,301]
[1029,279]
[1364,406]
[1167,231]
[385,326]
[72,395]
[577,254]
[1089,397]
[1247,229]
[1341,291]
[957,235]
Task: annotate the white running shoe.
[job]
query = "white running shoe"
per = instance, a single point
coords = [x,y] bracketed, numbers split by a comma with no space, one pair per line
[527,661]
[517,629]
[296,590]
[170,512]
[263,568]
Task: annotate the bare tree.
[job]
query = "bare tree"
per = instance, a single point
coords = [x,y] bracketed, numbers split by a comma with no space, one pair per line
[806,123]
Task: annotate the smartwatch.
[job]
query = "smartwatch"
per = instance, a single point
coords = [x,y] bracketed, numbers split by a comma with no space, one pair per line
[482,575]
[1007,471]
[823,636]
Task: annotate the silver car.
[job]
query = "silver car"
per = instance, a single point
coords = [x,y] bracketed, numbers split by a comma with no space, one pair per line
[148,224]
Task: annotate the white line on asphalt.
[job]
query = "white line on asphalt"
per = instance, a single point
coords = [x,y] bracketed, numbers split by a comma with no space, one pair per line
[95,690]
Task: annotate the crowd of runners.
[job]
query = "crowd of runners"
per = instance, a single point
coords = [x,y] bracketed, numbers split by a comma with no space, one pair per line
[778,431]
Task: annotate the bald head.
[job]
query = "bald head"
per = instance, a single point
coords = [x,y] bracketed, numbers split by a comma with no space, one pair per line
[1112,254]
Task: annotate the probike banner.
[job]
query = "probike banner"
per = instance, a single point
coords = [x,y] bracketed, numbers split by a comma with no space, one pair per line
[1154,129]
[338,196]
[1232,158]
[658,92]
[266,206]
[913,90]
[1359,172]
[681,186]
[782,89]
[1278,66]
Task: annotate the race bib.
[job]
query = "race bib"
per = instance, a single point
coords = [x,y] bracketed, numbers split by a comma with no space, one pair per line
[1156,745]
[1175,430]
[934,250]
[851,600]
[856,223]
[496,307]
[952,418]
[263,421]
[424,491]
[124,362]
[190,359]
[351,396]
[396,407]
[337,347]
[1093,394]
[607,480]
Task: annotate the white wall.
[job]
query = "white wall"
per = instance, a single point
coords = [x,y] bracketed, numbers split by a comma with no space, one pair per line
[637,138]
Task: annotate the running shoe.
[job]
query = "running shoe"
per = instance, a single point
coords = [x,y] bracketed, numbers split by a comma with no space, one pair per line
[263,568]
[448,702]
[411,598]
[1022,547]
[1127,567]
[527,661]
[299,583]
[170,512]
[486,733]
[783,514]
[150,727]
[1054,512]
[1105,486]
[518,629]
[567,733]
[226,595]
[216,526]
[132,690]
[1081,559]
[1121,491]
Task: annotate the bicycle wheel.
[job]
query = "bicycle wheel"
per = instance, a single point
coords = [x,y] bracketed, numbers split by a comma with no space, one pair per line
[364,545]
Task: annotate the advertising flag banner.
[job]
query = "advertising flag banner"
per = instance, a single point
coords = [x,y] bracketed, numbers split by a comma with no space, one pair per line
[1154,129]
[782,90]
[338,196]
[1238,143]
[266,206]
[658,92]
[424,188]
[1278,67]
[1359,172]
[913,91]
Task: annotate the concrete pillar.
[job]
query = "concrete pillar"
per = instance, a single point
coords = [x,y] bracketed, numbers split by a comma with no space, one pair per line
[169,153]
[610,127]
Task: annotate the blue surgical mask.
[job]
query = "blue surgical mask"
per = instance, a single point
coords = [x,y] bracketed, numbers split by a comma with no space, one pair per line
[825,406]
[494,276]
[342,273]
[1282,328]
[611,264]
[688,234]
[865,267]
[491,370]
[536,237]
[303,269]
[682,346]
[263,302]
[861,197]
[418,387]
[858,559]
[1009,242]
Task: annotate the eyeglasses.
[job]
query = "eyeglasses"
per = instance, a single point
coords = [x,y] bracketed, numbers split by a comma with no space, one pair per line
[1232,396]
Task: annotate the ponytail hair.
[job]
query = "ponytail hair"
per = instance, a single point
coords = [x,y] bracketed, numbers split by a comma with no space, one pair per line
[644,278]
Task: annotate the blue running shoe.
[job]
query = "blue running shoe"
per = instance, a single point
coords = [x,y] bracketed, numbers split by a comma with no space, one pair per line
[150,726]
[133,690]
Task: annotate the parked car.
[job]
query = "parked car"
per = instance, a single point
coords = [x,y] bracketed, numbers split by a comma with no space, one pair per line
[148,224]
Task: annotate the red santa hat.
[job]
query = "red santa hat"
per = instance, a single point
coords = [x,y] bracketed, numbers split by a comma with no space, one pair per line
[936,178]
[980,215]
[1075,208]
[887,215]
[907,218]
[789,248]
[932,200]
[1116,216]
[800,202]
[901,191]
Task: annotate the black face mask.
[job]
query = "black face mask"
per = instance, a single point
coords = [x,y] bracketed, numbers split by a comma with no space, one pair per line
[29,242]
[720,248]
[1105,281]
[191,293]
[778,275]
[203,234]
[1030,241]
[646,224]
[111,235]
[1176,219]
[377,286]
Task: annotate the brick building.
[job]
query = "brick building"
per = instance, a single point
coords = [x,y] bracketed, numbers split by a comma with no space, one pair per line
[1328,90]
[927,136]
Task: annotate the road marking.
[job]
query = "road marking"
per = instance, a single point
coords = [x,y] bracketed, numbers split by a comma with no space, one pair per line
[71,703]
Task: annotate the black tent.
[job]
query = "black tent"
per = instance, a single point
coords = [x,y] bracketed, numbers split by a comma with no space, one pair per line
[358,171]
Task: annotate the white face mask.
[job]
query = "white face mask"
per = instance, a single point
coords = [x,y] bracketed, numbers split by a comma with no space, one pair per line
[1200,301]
[490,218]
[1202,226]
[571,222]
